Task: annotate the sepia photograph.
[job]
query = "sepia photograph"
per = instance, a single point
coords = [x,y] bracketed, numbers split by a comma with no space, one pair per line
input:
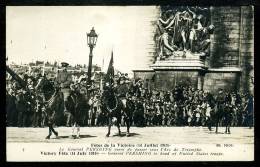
[129,83]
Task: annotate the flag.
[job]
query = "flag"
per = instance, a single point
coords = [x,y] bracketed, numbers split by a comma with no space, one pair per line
[101,78]
[109,78]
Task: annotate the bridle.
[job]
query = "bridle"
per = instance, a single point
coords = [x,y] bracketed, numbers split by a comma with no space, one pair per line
[113,109]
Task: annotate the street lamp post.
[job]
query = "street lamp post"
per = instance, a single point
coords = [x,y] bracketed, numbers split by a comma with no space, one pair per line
[91,39]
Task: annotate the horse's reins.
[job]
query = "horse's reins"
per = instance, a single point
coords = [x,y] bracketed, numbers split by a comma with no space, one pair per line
[111,110]
[51,100]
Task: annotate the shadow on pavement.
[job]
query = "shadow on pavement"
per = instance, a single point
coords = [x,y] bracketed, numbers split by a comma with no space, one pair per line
[213,132]
[74,136]
[124,134]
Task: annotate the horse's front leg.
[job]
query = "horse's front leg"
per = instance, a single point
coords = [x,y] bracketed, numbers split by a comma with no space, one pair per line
[51,129]
[78,131]
[128,130]
[127,126]
[55,132]
[228,129]
[109,126]
[73,129]
[49,135]
[216,127]
[118,126]
[209,124]
[228,126]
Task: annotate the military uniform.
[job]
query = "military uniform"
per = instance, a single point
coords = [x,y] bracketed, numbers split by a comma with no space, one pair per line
[220,99]
[64,79]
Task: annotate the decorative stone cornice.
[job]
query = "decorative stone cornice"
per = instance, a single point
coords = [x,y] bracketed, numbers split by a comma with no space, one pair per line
[194,63]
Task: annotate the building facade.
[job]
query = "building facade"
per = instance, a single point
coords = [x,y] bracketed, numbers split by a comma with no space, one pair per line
[228,63]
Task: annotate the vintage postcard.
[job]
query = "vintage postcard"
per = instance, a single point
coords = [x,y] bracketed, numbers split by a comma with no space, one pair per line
[129,83]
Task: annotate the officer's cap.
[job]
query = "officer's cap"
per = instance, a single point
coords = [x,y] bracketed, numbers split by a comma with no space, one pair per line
[64,64]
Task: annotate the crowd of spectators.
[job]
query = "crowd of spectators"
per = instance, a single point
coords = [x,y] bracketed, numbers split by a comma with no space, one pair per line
[182,106]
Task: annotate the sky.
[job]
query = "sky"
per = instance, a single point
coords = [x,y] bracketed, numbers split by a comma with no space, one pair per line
[59,34]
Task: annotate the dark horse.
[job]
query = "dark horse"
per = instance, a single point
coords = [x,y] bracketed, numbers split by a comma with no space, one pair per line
[113,107]
[52,102]
[218,115]
[54,106]
[223,112]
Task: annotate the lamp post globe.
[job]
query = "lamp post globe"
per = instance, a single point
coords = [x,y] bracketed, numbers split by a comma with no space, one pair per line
[91,40]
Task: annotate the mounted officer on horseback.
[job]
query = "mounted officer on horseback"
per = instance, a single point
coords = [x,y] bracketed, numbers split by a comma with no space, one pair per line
[64,80]
[114,103]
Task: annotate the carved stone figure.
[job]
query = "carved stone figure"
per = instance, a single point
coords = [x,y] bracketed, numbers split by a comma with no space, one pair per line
[183,29]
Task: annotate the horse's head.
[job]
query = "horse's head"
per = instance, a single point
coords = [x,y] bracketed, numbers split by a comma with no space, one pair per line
[109,99]
[45,86]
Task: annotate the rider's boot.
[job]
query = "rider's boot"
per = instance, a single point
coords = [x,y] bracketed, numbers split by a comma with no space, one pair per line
[119,131]
[109,128]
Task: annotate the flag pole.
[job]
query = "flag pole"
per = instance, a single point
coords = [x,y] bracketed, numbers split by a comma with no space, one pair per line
[43,68]
[101,78]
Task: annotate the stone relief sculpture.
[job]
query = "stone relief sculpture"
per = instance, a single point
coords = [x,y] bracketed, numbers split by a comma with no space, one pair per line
[183,31]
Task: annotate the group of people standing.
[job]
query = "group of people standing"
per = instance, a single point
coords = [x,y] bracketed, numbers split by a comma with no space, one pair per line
[186,106]
[182,106]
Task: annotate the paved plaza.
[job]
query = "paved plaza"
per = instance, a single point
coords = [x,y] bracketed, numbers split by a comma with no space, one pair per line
[177,135]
